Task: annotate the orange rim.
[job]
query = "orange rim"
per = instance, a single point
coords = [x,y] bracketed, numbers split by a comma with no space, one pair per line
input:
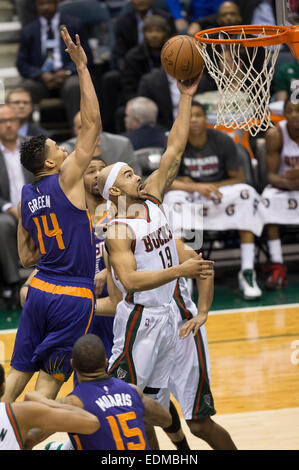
[272,35]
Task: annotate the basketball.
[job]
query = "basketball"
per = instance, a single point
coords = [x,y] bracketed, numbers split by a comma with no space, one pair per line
[180,58]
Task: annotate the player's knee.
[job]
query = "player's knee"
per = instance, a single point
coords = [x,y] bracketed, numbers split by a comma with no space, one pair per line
[200,427]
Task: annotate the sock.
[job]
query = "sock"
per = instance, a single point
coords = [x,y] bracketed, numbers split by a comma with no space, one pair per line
[182,445]
[275,251]
[247,256]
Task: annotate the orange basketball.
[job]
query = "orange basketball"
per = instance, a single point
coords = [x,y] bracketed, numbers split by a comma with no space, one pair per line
[180,57]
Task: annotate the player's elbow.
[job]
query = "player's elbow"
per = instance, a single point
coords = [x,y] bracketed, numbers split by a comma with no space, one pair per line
[129,286]
[26,261]
[93,425]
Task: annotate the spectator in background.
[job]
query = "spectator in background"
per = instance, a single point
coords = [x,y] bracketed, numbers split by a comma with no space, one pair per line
[228,14]
[128,33]
[280,199]
[26,11]
[20,100]
[144,57]
[129,27]
[212,176]
[286,80]
[141,124]
[159,87]
[257,11]
[45,67]
[162,89]
[113,148]
[12,178]
[199,9]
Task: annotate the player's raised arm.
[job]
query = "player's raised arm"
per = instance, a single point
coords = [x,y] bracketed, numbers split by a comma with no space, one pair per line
[74,166]
[160,181]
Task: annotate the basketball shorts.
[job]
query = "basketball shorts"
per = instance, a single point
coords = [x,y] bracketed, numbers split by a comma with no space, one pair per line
[103,327]
[143,351]
[190,377]
[56,313]
[280,206]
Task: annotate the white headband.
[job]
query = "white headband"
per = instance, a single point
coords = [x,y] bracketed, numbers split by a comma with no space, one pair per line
[112,178]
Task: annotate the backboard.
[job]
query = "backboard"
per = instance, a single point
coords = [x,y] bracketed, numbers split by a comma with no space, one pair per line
[287,12]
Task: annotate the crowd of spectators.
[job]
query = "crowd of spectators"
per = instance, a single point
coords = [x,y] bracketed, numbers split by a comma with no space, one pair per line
[138,99]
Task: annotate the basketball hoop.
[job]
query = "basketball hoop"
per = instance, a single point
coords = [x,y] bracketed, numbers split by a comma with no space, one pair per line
[241,59]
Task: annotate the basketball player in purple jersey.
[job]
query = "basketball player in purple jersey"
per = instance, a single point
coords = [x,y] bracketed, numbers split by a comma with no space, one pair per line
[121,408]
[102,325]
[55,233]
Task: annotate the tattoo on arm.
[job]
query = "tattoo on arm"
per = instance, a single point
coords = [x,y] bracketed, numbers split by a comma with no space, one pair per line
[172,174]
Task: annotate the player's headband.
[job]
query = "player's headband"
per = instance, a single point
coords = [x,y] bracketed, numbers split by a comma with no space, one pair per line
[112,178]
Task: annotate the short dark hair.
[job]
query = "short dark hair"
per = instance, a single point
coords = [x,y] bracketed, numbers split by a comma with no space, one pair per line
[199,105]
[99,159]
[156,21]
[89,354]
[2,375]
[33,153]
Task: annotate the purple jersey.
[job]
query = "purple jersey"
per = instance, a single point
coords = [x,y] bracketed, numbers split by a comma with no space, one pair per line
[120,411]
[62,232]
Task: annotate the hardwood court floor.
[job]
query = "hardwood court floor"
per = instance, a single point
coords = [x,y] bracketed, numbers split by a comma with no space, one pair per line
[254,355]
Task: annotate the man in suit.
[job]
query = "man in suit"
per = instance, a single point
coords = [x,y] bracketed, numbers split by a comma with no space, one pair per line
[128,27]
[128,33]
[112,148]
[157,86]
[12,178]
[42,61]
[20,100]
[161,88]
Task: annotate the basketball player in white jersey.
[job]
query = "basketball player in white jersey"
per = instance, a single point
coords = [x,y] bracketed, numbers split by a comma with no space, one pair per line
[145,262]
[280,199]
[17,418]
[190,375]
[145,267]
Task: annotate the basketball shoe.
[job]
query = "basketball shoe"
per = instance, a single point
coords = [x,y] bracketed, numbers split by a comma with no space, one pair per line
[248,285]
[277,278]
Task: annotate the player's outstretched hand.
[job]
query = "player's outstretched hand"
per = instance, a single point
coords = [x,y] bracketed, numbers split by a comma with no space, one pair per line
[197,267]
[189,87]
[75,51]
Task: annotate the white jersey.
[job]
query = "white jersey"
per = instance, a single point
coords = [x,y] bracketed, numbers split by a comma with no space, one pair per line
[10,438]
[289,151]
[154,249]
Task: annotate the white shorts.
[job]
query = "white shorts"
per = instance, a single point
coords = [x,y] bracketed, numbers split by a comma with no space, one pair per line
[280,206]
[143,350]
[190,377]
[237,210]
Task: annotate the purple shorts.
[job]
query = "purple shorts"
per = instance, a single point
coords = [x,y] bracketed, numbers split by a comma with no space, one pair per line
[56,313]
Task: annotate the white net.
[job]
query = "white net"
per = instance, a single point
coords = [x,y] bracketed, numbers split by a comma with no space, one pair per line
[243,76]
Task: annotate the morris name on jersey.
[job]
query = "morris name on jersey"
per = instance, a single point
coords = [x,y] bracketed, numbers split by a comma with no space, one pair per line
[118,399]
